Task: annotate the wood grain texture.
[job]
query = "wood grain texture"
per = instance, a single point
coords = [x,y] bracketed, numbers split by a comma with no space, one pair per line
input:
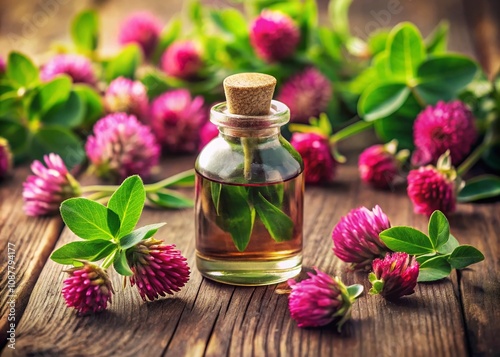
[483,19]
[210,319]
[479,225]
[34,239]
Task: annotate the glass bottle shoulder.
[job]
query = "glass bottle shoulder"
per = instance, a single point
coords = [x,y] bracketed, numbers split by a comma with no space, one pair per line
[273,160]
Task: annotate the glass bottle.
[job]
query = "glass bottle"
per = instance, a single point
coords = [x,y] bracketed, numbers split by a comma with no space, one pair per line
[249,199]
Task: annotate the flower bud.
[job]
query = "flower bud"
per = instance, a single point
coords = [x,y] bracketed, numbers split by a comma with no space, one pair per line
[307,94]
[319,164]
[44,191]
[5,158]
[88,289]
[274,36]
[356,237]
[433,188]
[182,59]
[143,29]
[121,146]
[394,276]
[319,300]
[445,126]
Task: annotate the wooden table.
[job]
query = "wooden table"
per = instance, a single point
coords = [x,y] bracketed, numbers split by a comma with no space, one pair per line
[458,316]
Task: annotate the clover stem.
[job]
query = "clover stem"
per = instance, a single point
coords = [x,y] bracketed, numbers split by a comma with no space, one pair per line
[153,187]
[350,130]
[472,159]
[418,97]
[248,146]
[108,261]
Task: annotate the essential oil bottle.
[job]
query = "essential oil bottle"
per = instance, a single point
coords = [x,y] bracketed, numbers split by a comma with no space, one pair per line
[249,189]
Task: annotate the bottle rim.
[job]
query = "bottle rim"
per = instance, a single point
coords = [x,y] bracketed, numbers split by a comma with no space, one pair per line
[279,115]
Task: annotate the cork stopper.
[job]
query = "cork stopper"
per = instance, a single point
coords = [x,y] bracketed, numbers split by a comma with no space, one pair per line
[249,93]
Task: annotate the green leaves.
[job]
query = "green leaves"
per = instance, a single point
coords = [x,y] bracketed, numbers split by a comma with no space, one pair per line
[433,269]
[92,251]
[480,187]
[136,236]
[121,265]
[231,22]
[405,50]
[407,239]
[439,229]
[89,219]
[414,242]
[68,113]
[437,253]
[21,71]
[127,202]
[443,76]
[465,255]
[170,199]
[237,206]
[277,223]
[92,103]
[58,140]
[35,116]
[168,35]
[236,215]
[107,231]
[85,31]
[50,94]
[381,100]
[437,42]
[124,64]
[404,78]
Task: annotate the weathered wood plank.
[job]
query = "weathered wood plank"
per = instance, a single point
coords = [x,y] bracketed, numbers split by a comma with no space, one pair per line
[483,17]
[479,225]
[211,319]
[33,241]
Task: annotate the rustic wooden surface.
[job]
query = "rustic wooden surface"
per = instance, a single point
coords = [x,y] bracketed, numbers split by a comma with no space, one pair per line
[455,317]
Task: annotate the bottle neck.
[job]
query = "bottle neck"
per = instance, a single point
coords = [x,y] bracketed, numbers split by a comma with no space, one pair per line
[263,126]
[264,134]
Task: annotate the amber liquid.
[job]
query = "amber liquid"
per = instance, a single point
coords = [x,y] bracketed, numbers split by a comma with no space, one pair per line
[264,260]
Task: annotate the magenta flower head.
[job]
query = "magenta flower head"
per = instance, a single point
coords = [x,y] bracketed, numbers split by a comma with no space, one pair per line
[394,276]
[319,164]
[158,269]
[356,237]
[5,158]
[182,59]
[307,94]
[319,300]
[433,188]
[121,146]
[143,29]
[44,191]
[79,68]
[176,119]
[2,65]
[88,289]
[379,164]
[127,96]
[274,36]
[208,132]
[445,126]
